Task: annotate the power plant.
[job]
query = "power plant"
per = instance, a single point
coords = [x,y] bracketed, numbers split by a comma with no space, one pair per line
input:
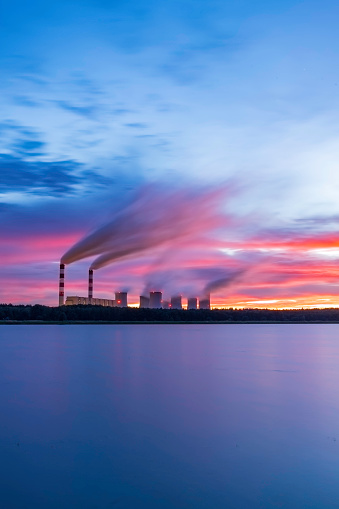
[62,284]
[90,286]
[74,300]
[144,301]
[176,302]
[121,299]
[192,303]
[205,303]
[153,301]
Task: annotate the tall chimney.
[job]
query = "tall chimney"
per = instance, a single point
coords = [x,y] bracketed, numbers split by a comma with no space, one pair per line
[62,284]
[90,286]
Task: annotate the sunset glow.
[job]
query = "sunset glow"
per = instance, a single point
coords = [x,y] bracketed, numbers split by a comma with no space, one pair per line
[185,148]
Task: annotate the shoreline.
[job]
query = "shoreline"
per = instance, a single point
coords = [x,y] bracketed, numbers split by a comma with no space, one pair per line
[155,322]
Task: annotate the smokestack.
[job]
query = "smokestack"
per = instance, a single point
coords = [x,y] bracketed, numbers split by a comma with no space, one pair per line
[176,302]
[155,299]
[192,303]
[62,284]
[144,301]
[90,286]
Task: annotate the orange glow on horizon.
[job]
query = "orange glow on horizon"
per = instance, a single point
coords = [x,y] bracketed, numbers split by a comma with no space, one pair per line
[277,273]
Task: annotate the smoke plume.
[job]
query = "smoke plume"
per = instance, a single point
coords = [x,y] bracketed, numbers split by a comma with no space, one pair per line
[156,217]
[223,282]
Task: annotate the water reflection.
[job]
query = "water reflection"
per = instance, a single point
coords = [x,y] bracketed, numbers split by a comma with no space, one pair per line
[195,416]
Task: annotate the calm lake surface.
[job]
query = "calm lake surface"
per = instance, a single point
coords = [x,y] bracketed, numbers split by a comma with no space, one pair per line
[169,416]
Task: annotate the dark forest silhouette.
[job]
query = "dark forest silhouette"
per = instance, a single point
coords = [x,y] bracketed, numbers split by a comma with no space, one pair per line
[9,312]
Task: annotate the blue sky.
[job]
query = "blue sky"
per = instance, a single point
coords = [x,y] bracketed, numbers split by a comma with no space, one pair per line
[98,98]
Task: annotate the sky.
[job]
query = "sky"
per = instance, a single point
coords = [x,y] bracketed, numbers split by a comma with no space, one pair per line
[181,146]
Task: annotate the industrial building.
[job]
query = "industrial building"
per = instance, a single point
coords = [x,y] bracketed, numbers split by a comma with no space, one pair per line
[144,301]
[176,302]
[205,303]
[121,299]
[74,300]
[155,299]
[192,303]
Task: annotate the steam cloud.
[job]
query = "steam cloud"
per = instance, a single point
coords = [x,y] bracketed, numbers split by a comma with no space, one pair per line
[182,236]
[223,282]
[156,217]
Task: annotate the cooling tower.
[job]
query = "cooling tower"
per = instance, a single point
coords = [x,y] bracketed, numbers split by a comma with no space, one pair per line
[121,299]
[62,284]
[176,302]
[205,303]
[155,299]
[90,286]
[165,304]
[144,301]
[192,303]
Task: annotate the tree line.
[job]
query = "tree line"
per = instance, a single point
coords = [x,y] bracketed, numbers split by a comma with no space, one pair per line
[9,312]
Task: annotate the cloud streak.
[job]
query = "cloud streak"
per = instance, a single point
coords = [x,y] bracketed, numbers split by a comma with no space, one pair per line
[44,177]
[92,109]
[156,217]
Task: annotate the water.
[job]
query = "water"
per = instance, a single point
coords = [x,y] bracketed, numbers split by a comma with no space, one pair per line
[169,416]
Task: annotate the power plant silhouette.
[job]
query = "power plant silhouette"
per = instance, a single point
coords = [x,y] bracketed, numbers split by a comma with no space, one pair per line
[152,301]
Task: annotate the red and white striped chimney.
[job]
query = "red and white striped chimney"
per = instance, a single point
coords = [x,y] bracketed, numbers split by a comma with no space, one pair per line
[90,285]
[62,284]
